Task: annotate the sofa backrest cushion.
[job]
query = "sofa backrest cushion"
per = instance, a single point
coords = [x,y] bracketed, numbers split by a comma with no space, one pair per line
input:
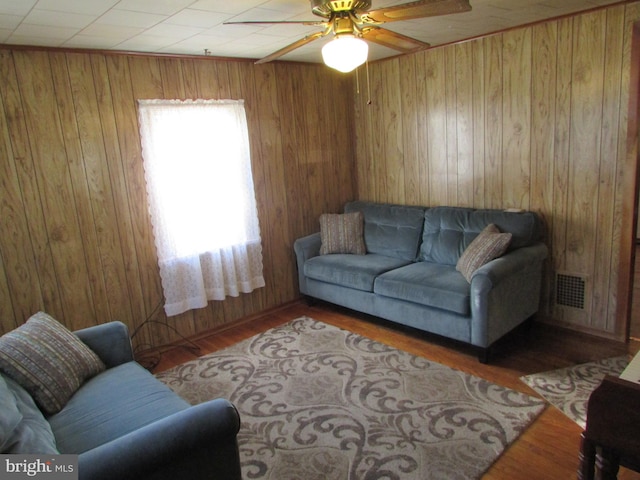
[392,230]
[448,231]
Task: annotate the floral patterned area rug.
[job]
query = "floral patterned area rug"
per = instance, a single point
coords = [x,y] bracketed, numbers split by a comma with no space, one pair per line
[568,389]
[318,402]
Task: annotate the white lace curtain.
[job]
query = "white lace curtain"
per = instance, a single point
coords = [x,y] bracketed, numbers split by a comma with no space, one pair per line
[201,200]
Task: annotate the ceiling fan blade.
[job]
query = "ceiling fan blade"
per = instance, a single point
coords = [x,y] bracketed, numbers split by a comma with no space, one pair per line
[391,39]
[293,46]
[419,9]
[313,23]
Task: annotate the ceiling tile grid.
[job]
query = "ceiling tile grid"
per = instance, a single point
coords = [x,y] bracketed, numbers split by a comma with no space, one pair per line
[196,27]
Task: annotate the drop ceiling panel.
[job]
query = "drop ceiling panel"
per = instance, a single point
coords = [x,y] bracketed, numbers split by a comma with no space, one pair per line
[194,27]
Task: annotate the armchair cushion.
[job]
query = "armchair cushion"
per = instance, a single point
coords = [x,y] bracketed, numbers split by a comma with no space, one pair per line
[47,360]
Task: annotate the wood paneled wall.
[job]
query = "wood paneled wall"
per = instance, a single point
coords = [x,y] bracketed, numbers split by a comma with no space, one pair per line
[75,235]
[533,118]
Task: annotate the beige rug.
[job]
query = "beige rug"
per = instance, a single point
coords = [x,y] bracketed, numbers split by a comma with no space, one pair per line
[568,389]
[318,402]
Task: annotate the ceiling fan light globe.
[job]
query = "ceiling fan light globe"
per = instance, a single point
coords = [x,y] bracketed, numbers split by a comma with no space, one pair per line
[345,53]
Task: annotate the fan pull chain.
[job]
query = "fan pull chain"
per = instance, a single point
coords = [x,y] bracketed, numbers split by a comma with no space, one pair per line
[368,84]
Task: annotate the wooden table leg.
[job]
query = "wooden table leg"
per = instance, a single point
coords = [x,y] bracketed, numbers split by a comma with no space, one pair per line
[607,465]
[587,458]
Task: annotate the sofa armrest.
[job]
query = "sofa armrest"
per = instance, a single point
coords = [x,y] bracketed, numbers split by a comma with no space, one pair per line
[198,442]
[110,341]
[505,266]
[306,248]
[505,292]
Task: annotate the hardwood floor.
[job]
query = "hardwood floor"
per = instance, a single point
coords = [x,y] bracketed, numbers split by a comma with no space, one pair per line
[549,447]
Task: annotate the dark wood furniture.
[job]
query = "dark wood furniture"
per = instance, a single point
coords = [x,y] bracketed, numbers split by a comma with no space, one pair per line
[612,435]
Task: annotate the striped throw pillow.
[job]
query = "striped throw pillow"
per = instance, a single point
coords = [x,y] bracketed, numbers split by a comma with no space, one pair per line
[342,233]
[47,360]
[489,244]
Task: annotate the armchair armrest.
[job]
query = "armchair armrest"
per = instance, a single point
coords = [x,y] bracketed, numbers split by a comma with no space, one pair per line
[198,442]
[110,341]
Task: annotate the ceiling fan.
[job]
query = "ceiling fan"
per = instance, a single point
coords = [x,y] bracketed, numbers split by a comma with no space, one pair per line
[351,21]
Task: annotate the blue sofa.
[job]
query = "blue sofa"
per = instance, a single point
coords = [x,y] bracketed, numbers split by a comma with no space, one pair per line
[125,424]
[408,274]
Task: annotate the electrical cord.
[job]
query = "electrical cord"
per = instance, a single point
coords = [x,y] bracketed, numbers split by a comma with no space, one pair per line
[152,361]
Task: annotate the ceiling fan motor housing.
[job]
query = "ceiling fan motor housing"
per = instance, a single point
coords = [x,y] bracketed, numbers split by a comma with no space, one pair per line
[325,8]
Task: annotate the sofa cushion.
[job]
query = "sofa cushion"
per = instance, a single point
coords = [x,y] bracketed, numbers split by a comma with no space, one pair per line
[10,416]
[430,284]
[352,271]
[23,428]
[489,244]
[48,360]
[110,405]
[391,230]
[342,233]
[448,231]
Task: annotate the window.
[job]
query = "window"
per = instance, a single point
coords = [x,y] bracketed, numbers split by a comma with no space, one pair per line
[201,200]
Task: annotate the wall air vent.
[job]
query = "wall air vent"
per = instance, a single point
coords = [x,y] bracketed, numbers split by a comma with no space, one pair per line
[571,290]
